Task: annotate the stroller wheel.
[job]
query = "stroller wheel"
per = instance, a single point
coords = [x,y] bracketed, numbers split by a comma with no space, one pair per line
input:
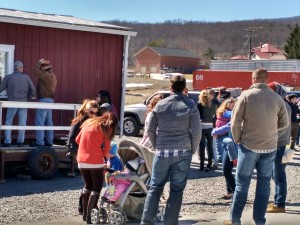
[102,215]
[115,218]
[124,218]
[94,216]
[160,213]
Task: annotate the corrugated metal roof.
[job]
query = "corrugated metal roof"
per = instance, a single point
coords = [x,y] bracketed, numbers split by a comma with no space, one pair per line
[174,52]
[60,21]
[250,65]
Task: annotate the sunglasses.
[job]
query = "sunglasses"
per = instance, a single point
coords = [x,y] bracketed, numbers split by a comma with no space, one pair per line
[92,112]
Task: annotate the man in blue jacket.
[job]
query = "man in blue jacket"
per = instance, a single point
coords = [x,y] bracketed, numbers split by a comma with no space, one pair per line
[175,132]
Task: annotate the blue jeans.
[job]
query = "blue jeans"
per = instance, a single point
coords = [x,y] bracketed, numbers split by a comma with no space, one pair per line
[22,119]
[279,177]
[215,153]
[175,169]
[227,165]
[219,145]
[43,117]
[247,162]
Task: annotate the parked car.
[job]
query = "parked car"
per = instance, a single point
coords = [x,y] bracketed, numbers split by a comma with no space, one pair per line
[130,74]
[135,114]
[294,93]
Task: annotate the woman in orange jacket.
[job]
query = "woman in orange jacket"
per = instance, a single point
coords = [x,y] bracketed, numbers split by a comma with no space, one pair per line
[94,144]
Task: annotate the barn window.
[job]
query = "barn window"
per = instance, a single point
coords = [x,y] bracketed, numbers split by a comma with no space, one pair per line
[6,62]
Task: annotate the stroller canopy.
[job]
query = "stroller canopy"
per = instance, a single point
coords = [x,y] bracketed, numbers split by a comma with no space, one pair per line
[129,150]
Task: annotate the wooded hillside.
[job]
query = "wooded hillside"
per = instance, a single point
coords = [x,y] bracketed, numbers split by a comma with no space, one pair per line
[226,39]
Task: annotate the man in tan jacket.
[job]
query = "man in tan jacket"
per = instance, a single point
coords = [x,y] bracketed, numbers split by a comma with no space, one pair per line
[259,114]
[46,86]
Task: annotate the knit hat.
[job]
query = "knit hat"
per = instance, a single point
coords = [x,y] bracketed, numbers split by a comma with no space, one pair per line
[132,165]
[278,88]
[113,148]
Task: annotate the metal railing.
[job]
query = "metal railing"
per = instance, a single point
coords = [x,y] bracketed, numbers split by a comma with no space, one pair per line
[36,105]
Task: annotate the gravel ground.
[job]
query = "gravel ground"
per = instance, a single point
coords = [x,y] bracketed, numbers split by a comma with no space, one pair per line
[31,200]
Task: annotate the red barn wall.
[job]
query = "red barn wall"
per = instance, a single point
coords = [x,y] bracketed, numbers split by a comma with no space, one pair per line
[182,64]
[84,62]
[149,57]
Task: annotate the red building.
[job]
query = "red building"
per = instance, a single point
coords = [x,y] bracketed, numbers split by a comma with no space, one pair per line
[87,56]
[156,59]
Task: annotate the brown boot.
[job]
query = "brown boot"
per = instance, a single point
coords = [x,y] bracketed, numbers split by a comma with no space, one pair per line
[85,200]
[93,200]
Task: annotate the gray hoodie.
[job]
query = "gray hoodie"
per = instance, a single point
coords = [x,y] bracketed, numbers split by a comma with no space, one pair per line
[284,135]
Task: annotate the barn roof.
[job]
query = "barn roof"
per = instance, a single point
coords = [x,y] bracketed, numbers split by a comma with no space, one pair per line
[61,22]
[176,52]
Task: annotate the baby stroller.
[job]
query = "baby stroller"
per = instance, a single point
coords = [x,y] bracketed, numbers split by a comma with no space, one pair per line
[131,202]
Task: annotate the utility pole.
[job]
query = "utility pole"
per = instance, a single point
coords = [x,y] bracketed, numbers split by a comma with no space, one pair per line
[250,36]
[250,42]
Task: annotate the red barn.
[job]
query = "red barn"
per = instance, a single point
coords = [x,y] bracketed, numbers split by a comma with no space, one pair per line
[87,56]
[155,59]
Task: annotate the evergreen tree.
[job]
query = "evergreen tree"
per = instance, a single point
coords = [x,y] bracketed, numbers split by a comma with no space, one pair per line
[209,54]
[292,46]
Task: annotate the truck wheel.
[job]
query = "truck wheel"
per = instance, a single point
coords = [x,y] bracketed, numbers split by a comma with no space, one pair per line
[130,127]
[43,162]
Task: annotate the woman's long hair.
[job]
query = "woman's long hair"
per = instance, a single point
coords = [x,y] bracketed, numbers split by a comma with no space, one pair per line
[153,103]
[82,111]
[204,98]
[224,106]
[106,123]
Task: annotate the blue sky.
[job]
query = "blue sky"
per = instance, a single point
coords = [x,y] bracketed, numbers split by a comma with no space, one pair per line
[161,10]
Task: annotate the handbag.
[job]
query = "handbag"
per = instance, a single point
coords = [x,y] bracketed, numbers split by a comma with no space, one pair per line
[288,155]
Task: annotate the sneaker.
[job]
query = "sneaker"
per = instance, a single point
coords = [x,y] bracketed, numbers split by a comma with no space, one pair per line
[20,144]
[35,145]
[214,167]
[227,196]
[47,144]
[6,145]
[207,169]
[275,209]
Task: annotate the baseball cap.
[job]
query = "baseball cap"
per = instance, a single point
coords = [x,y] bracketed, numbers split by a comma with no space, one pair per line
[18,64]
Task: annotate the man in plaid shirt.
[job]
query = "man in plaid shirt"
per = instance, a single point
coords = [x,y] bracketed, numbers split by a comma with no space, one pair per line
[175,132]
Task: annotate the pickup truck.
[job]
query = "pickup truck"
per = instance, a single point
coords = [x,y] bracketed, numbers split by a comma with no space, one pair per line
[135,114]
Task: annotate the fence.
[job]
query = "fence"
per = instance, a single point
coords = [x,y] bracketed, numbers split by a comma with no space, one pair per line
[36,105]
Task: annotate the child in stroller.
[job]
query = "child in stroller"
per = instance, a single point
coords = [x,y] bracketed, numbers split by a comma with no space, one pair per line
[126,197]
[118,184]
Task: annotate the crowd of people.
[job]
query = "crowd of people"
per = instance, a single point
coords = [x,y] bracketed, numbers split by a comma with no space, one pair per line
[250,132]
